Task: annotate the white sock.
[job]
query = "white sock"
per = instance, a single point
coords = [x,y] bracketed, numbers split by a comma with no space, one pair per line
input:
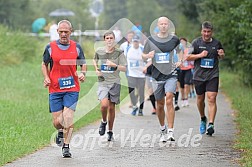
[170,129]
[104,121]
[162,127]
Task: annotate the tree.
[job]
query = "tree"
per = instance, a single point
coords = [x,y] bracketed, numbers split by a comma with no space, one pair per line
[12,12]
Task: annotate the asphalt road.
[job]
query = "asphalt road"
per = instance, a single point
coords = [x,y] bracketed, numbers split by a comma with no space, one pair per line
[137,142]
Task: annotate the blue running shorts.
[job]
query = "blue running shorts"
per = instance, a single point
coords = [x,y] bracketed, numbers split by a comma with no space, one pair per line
[59,100]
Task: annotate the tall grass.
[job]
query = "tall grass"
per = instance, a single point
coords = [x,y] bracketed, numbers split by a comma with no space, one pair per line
[240,96]
[16,47]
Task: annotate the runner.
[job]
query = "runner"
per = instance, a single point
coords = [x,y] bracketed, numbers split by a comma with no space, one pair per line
[162,48]
[206,54]
[108,62]
[136,77]
[63,55]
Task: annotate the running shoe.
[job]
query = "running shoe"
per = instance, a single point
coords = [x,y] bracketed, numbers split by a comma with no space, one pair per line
[134,111]
[154,112]
[59,140]
[163,135]
[66,152]
[203,126]
[176,108]
[170,136]
[110,136]
[210,130]
[102,128]
[140,112]
[186,103]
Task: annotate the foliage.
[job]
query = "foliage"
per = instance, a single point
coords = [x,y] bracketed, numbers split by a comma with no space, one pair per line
[113,11]
[232,24]
[138,16]
[11,13]
[20,14]
[242,18]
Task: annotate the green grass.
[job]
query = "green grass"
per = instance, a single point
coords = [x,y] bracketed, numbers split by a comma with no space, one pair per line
[240,96]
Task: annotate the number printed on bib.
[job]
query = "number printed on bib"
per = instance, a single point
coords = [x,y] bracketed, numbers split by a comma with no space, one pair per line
[207,63]
[66,82]
[106,69]
[162,57]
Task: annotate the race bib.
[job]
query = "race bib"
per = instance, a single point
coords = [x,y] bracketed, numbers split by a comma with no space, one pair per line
[207,63]
[134,63]
[162,57]
[106,69]
[66,82]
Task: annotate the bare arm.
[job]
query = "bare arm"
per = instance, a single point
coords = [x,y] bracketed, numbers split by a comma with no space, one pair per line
[45,73]
[149,55]
[97,70]
[192,57]
[82,76]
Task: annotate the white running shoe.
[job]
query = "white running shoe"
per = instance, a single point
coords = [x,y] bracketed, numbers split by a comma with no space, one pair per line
[186,103]
[183,103]
[163,135]
[170,136]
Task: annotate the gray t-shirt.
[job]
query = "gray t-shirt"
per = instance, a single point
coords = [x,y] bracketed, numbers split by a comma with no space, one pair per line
[206,68]
[170,45]
[110,74]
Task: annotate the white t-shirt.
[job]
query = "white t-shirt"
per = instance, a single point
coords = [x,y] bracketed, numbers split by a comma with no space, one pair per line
[135,62]
[53,32]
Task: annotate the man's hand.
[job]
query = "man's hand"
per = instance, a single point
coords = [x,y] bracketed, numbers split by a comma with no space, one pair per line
[47,82]
[204,53]
[110,63]
[82,77]
[221,53]
[151,54]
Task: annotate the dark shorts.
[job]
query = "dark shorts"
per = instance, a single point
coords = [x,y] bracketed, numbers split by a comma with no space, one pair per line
[206,86]
[185,78]
[57,101]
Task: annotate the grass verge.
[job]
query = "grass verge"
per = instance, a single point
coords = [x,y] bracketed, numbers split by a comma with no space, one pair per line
[240,96]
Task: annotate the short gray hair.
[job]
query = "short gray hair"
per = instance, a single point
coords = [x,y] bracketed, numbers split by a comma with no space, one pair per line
[65,21]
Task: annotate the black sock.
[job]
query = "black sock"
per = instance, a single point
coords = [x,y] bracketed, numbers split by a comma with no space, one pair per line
[176,98]
[210,123]
[66,145]
[203,118]
[153,101]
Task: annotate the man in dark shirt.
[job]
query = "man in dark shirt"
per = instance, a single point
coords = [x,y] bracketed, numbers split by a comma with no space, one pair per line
[162,49]
[206,54]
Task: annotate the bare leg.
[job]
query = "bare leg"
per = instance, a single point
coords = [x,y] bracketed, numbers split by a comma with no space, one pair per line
[212,107]
[160,111]
[58,119]
[111,115]
[201,104]
[68,116]
[104,108]
[170,114]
